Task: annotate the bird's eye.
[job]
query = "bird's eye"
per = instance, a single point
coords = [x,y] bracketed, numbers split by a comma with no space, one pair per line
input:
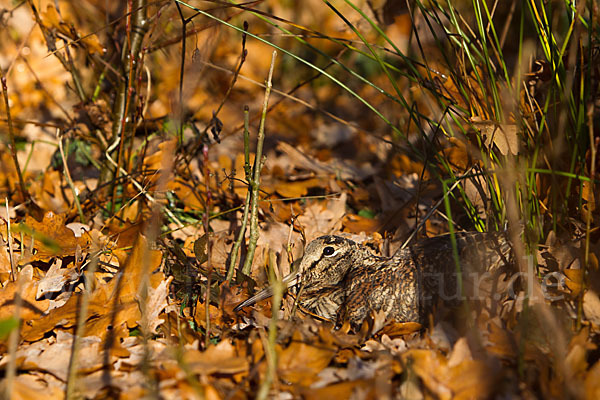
[328,251]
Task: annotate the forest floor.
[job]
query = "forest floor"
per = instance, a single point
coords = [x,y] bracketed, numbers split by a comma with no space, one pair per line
[125,174]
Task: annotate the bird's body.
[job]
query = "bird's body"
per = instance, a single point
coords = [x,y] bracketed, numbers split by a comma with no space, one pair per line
[343,280]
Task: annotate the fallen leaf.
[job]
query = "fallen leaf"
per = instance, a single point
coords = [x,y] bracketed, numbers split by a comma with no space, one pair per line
[142,263]
[155,302]
[53,355]
[300,362]
[56,279]
[504,136]
[51,237]
[574,280]
[592,382]
[591,306]
[31,308]
[322,218]
[396,329]
[295,189]
[28,386]
[219,359]
[356,224]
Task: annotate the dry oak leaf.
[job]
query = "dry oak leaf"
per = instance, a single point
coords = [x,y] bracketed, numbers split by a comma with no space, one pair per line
[159,159]
[591,306]
[574,280]
[56,279]
[48,193]
[295,189]
[52,19]
[5,267]
[114,304]
[592,382]
[105,314]
[156,301]
[300,363]
[360,388]
[53,355]
[215,314]
[27,387]
[466,379]
[504,136]
[51,237]
[219,359]
[139,265]
[31,308]
[356,224]
[321,218]
[191,198]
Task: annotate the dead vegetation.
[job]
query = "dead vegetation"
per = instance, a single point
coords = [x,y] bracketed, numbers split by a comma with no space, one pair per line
[159,165]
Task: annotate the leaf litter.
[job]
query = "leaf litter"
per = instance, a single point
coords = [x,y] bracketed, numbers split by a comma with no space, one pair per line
[147,328]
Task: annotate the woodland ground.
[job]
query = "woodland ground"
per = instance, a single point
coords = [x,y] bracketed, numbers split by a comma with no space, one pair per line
[126,177]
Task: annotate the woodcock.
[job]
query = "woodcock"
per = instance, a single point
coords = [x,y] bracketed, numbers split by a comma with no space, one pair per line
[343,280]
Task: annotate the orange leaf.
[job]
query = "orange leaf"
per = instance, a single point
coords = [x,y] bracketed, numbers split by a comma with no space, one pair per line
[300,363]
[31,308]
[574,280]
[356,224]
[297,188]
[51,237]
[141,263]
[221,359]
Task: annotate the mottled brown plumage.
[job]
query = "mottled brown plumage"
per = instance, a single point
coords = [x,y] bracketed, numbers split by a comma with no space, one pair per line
[343,280]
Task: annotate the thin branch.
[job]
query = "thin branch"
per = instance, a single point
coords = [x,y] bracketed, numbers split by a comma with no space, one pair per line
[255,182]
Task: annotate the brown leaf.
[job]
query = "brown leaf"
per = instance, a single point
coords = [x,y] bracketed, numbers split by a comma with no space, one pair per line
[322,218]
[31,308]
[53,355]
[200,249]
[103,312]
[356,224]
[297,189]
[587,194]
[5,267]
[156,301]
[431,367]
[592,382]
[300,362]
[28,386]
[138,265]
[396,329]
[55,279]
[591,306]
[458,154]
[504,136]
[574,280]
[219,359]
[472,379]
[51,237]
[342,390]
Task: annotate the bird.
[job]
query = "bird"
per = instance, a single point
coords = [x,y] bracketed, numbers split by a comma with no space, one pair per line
[342,280]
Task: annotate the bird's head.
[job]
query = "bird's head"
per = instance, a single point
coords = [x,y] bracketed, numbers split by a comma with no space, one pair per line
[326,261]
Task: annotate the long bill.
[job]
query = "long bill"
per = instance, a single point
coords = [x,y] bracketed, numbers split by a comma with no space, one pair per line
[289,281]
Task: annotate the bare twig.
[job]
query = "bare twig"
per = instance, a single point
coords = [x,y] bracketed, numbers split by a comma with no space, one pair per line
[50,38]
[590,207]
[136,23]
[255,182]
[242,232]
[269,346]
[11,136]
[13,268]
[205,221]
